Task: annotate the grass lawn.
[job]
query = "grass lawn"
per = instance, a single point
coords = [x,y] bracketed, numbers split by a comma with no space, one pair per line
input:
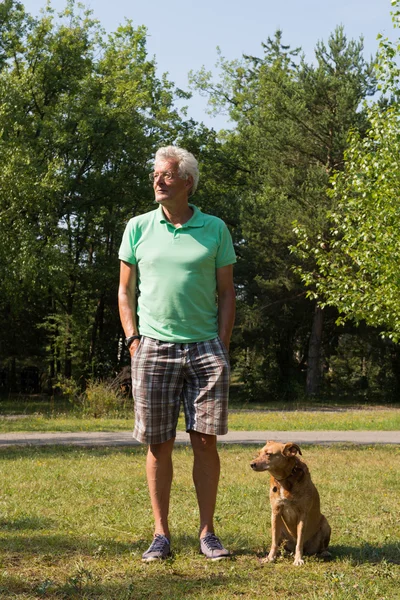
[385,419]
[43,413]
[74,523]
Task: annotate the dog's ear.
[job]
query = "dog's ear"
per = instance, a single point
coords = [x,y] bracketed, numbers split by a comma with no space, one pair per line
[291,449]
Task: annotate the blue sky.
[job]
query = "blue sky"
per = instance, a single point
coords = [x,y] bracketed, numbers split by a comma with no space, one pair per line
[184,35]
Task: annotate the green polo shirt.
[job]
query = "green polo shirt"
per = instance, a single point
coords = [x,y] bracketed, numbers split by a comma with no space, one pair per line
[176,269]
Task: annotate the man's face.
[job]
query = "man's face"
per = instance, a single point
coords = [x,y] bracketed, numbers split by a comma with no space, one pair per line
[174,188]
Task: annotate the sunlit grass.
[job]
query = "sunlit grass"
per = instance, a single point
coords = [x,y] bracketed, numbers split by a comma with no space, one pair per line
[299,420]
[74,523]
[67,423]
[47,414]
[384,420]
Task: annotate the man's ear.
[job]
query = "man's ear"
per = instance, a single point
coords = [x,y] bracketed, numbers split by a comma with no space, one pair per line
[189,182]
[291,449]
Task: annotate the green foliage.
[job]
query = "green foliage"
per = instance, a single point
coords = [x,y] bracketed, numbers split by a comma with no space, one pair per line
[102,399]
[97,399]
[387,67]
[292,120]
[69,389]
[81,114]
[357,259]
[80,117]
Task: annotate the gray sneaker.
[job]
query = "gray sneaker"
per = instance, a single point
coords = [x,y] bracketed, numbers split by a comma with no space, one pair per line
[159,548]
[212,548]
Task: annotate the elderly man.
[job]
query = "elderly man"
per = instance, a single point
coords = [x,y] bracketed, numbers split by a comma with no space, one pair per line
[178,333]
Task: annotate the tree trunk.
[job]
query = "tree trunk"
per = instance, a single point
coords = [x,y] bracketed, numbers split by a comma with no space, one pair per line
[13,375]
[97,328]
[314,353]
[68,332]
[395,363]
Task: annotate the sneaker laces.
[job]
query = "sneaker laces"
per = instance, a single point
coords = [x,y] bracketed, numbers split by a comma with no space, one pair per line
[158,543]
[212,542]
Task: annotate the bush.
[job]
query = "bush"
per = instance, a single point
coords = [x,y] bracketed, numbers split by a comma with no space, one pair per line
[101,399]
[68,388]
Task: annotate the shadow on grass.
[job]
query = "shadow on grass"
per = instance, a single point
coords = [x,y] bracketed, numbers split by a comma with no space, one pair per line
[55,451]
[155,584]
[367,553]
[168,580]
[82,580]
[27,522]
[24,544]
[60,544]
[20,404]
[364,554]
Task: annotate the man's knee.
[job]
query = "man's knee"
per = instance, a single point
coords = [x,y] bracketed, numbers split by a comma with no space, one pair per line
[203,442]
[161,451]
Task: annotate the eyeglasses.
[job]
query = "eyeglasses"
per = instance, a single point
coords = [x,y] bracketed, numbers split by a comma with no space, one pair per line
[167,175]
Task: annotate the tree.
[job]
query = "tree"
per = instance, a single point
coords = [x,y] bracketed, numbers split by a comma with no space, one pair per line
[292,121]
[357,262]
[80,118]
[357,259]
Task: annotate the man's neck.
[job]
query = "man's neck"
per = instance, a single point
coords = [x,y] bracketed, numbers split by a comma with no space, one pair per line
[178,215]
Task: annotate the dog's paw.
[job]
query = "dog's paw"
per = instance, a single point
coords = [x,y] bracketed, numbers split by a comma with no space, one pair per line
[269,558]
[298,562]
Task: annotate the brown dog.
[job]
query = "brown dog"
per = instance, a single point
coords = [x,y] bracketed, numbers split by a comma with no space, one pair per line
[296,515]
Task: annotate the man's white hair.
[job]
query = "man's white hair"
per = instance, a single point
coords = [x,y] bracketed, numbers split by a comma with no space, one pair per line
[187,164]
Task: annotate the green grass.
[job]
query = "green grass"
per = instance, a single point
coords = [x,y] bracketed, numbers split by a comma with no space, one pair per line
[74,523]
[63,422]
[306,420]
[239,420]
[47,414]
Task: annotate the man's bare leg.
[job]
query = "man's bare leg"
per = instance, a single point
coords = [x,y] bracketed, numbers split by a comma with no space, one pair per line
[159,473]
[206,469]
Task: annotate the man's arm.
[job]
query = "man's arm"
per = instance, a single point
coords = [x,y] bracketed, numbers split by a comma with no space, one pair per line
[127,302]
[226,303]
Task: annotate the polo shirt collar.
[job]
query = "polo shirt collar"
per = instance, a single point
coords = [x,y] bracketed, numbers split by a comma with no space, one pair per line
[196,220]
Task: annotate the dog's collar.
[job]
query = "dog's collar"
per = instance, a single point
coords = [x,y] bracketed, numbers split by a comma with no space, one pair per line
[291,473]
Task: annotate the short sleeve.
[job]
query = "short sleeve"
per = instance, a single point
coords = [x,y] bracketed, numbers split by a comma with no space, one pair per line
[127,247]
[226,253]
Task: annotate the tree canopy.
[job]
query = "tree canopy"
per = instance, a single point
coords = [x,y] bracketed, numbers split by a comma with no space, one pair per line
[81,115]
[357,259]
[292,121]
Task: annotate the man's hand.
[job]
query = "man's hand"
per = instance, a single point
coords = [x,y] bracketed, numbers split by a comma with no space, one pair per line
[133,347]
[127,302]
[226,304]
[225,340]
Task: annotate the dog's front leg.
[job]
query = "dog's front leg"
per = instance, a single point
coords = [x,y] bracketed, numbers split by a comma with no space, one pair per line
[276,530]
[298,555]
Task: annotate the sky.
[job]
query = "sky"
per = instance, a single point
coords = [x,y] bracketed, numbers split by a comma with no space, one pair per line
[184,36]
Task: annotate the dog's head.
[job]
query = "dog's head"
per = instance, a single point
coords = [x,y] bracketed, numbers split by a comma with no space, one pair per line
[273,455]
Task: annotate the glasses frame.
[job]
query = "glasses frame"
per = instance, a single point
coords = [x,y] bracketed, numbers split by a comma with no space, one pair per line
[167,175]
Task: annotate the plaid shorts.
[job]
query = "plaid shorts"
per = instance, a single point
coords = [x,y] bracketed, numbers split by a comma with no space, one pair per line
[165,374]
